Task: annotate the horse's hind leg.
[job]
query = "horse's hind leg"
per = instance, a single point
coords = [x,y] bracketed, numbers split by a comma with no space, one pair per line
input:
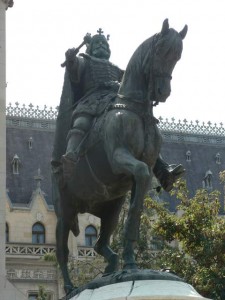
[109,219]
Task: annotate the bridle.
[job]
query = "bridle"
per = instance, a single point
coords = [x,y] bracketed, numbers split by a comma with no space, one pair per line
[154,74]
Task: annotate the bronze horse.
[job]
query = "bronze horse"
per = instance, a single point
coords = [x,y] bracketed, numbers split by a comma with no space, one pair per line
[123,155]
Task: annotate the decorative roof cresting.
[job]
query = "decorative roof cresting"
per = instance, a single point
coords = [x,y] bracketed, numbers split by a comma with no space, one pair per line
[165,124]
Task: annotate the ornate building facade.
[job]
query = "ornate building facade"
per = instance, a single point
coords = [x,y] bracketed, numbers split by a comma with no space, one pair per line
[30,218]
[7,290]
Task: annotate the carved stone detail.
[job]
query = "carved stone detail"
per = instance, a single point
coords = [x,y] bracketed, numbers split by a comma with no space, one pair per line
[31,274]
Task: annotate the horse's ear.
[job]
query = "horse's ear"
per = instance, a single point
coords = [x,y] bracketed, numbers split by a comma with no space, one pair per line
[183,32]
[165,27]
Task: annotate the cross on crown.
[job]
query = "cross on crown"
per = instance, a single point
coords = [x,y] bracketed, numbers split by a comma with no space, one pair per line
[100,32]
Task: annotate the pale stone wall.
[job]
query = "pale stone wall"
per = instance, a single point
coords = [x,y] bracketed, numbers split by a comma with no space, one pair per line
[20,221]
[2,137]
[7,290]
[28,274]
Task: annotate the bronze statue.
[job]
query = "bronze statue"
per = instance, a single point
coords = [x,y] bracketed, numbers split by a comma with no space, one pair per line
[107,141]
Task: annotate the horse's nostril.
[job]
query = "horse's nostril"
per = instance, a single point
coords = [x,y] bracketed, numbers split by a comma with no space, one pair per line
[159,91]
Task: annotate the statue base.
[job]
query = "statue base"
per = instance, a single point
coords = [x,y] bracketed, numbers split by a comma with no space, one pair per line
[136,285]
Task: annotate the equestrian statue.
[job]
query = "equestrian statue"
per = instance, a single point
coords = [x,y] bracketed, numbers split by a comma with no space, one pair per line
[107,141]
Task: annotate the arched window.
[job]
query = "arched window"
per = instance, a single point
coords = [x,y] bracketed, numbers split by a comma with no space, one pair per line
[90,235]
[218,158]
[38,233]
[6,232]
[16,164]
[207,181]
[188,155]
[30,143]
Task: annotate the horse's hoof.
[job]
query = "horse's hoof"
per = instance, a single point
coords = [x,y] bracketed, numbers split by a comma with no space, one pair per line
[130,266]
[68,288]
[113,264]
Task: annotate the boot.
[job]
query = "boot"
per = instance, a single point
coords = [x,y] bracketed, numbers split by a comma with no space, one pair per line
[167,174]
[72,152]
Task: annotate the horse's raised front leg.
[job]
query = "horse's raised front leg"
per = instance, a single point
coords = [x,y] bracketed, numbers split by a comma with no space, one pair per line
[124,162]
[109,219]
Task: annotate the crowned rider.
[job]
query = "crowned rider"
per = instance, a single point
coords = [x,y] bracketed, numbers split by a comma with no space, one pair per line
[99,82]
[94,81]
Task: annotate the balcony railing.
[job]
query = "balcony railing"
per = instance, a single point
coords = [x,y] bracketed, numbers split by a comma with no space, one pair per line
[29,249]
[42,249]
[86,252]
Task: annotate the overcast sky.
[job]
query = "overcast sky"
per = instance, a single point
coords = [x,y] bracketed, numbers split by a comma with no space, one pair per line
[39,33]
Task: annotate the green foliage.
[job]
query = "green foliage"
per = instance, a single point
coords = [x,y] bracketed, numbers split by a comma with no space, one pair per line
[200,232]
[80,271]
[42,295]
[50,257]
[85,270]
[191,242]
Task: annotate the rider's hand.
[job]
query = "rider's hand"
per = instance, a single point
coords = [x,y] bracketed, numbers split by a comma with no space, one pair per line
[71,53]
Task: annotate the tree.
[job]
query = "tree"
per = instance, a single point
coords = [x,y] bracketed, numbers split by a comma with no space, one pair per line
[197,228]
[148,244]
[200,231]
[81,271]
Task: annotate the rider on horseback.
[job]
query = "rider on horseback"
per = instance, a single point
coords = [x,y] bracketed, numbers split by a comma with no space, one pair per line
[97,80]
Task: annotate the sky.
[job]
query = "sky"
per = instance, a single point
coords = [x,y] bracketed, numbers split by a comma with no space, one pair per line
[39,33]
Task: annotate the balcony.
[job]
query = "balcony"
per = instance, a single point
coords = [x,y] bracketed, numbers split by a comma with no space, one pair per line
[16,249]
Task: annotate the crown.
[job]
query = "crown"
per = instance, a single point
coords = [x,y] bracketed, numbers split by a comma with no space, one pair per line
[100,32]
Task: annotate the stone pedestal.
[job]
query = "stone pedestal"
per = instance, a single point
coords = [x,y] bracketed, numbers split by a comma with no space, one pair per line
[142,290]
[136,285]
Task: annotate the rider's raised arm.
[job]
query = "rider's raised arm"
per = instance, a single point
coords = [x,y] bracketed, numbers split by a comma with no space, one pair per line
[74,64]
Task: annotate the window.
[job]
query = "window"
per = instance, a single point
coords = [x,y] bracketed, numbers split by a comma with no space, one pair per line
[188,155]
[6,233]
[16,164]
[38,234]
[218,158]
[33,296]
[207,181]
[90,235]
[156,243]
[30,143]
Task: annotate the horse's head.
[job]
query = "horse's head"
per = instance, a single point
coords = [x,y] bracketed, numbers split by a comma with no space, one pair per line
[166,49]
